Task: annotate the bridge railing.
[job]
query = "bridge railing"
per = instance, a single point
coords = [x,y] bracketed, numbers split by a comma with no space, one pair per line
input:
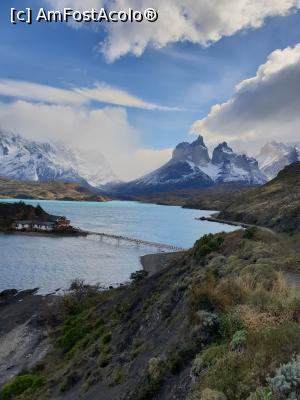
[137,241]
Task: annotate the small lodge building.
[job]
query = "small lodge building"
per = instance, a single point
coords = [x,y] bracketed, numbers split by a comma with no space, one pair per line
[54,223]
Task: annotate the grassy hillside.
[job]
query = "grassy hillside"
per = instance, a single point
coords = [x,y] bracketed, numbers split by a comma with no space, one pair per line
[213,198]
[275,205]
[216,324]
[46,191]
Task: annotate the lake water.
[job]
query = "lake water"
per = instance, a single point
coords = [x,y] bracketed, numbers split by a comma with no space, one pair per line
[53,262]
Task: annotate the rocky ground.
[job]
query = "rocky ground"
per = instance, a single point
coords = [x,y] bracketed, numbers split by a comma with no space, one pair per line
[23,331]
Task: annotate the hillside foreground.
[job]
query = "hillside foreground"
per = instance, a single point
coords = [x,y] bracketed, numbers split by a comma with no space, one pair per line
[221,321]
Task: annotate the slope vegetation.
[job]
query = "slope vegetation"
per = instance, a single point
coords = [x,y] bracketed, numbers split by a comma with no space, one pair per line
[216,323]
[275,205]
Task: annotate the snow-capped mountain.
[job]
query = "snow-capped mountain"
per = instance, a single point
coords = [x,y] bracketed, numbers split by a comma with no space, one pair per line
[29,160]
[192,167]
[274,156]
[232,167]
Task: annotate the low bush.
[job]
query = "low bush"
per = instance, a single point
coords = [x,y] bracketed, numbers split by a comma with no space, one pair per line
[206,245]
[138,276]
[21,384]
[74,330]
[80,297]
[229,324]
[250,232]
[261,393]
[238,341]
[237,375]
[286,383]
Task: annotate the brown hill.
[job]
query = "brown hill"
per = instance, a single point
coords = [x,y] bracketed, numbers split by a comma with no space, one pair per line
[47,191]
[216,197]
[275,205]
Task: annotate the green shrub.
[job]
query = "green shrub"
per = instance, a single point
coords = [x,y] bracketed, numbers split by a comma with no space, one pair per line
[237,375]
[206,245]
[250,232]
[261,393]
[229,325]
[75,329]
[238,341]
[286,383]
[80,297]
[21,384]
[138,276]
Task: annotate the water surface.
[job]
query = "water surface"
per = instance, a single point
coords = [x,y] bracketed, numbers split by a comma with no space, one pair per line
[51,262]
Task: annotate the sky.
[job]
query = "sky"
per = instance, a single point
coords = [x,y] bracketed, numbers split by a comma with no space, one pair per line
[226,69]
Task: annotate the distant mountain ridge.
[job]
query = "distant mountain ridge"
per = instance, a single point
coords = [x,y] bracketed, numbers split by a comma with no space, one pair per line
[23,159]
[54,190]
[274,156]
[192,167]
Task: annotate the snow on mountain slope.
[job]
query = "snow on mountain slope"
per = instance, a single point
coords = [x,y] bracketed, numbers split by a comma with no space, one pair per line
[28,160]
[274,156]
[234,167]
[191,167]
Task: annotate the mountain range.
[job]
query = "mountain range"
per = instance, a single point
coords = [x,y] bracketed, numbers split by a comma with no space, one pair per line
[23,159]
[191,166]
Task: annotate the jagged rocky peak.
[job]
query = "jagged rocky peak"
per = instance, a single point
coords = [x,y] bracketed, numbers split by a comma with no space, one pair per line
[222,153]
[195,152]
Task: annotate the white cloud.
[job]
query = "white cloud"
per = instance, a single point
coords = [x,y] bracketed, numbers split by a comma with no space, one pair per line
[264,107]
[107,94]
[202,21]
[147,160]
[34,91]
[100,92]
[105,131]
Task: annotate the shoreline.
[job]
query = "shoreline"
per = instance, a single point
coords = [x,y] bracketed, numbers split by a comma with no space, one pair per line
[157,203]
[225,222]
[46,234]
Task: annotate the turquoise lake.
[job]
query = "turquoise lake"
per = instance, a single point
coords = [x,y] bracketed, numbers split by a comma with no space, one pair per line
[51,263]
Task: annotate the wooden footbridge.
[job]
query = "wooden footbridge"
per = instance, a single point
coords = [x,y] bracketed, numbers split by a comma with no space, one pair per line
[138,242]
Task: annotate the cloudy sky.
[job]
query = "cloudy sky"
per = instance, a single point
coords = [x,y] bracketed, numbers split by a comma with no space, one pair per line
[228,69]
